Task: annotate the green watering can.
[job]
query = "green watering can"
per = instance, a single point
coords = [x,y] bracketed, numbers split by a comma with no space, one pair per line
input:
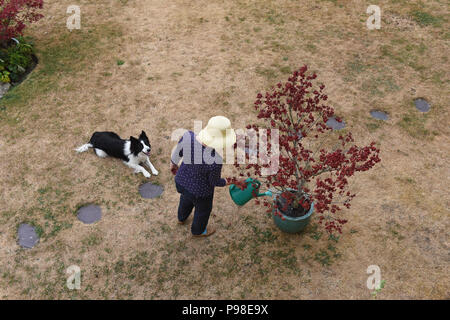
[241,197]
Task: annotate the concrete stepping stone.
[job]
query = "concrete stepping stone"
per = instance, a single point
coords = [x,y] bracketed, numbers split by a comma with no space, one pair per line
[380,115]
[27,235]
[89,214]
[334,124]
[422,105]
[4,87]
[150,191]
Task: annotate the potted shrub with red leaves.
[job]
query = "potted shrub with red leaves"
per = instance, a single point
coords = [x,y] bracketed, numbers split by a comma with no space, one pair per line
[315,162]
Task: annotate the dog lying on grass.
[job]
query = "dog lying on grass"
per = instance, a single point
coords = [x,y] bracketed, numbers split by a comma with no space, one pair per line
[133,152]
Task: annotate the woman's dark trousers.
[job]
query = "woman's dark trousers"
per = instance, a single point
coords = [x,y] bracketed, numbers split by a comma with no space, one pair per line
[203,208]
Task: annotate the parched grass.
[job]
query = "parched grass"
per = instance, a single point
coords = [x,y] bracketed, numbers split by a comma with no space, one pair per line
[419,125]
[414,125]
[405,53]
[425,19]
[379,85]
[213,59]
[64,56]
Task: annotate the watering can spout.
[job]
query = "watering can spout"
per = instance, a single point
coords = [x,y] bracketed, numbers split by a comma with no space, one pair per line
[266,194]
[241,197]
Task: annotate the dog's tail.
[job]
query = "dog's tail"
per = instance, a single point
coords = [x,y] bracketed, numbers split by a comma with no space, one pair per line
[84,148]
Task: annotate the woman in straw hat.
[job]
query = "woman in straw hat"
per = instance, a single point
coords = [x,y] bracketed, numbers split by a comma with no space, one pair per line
[200,171]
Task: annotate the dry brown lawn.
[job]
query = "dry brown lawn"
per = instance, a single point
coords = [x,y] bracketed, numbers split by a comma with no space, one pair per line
[190,60]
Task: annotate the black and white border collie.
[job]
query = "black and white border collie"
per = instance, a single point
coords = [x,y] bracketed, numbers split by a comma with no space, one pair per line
[133,152]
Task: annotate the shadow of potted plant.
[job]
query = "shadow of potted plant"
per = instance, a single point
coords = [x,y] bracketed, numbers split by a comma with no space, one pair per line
[314,161]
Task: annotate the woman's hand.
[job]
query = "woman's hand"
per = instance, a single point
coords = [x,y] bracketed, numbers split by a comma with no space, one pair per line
[174,169]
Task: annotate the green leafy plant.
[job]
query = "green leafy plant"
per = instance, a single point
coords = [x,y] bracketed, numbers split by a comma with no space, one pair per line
[376,291]
[15,60]
[4,74]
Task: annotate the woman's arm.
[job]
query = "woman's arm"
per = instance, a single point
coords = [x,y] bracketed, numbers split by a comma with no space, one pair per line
[215,179]
[177,154]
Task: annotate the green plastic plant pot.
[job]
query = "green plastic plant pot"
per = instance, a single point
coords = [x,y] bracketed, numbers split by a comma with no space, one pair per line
[291,224]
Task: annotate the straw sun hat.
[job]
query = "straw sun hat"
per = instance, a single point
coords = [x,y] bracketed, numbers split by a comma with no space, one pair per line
[218,134]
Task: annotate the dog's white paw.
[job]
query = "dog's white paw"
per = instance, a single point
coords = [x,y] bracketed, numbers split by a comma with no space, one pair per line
[155,172]
[146,174]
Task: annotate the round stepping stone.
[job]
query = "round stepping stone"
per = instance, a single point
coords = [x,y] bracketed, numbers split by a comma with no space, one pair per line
[28,237]
[380,115]
[90,214]
[422,105]
[334,124]
[150,191]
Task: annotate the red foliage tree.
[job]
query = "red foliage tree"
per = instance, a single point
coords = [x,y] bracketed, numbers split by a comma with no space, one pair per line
[308,163]
[15,15]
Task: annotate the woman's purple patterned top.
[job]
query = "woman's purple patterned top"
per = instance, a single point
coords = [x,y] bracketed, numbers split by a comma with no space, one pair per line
[200,170]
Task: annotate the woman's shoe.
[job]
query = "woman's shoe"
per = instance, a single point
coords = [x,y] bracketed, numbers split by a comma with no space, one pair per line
[207,233]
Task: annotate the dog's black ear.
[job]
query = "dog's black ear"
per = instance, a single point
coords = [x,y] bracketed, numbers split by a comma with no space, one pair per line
[143,135]
[134,141]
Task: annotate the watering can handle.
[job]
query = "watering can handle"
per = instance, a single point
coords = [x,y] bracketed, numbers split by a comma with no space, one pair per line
[256,182]
[248,181]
